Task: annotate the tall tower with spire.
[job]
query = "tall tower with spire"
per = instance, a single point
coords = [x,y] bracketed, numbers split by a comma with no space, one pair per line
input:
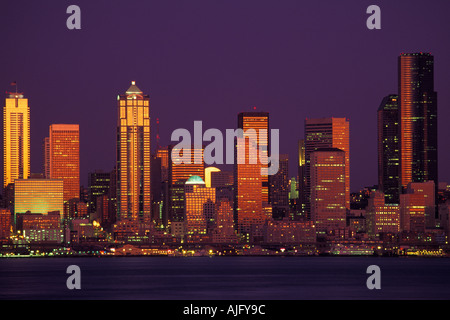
[16,138]
[133,156]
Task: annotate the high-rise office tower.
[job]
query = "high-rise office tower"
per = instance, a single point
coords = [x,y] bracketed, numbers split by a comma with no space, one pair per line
[161,199]
[133,156]
[199,208]
[179,173]
[98,184]
[46,149]
[279,189]
[418,119]
[16,138]
[328,188]
[326,133]
[389,149]
[300,208]
[64,161]
[251,187]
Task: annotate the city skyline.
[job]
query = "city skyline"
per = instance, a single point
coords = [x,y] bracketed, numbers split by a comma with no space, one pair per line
[199,151]
[216,72]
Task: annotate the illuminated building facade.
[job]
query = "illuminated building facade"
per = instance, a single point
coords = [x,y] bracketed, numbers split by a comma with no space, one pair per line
[279,189]
[300,206]
[289,232]
[224,231]
[418,119]
[102,210]
[199,207]
[39,228]
[380,216]
[16,138]
[427,191]
[251,187]
[133,156]
[179,173]
[38,195]
[64,161]
[5,224]
[412,212]
[46,149]
[328,189]
[98,184]
[326,133]
[389,149]
[76,209]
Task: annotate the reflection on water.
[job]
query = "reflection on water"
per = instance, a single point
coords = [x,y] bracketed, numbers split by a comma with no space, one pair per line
[240,278]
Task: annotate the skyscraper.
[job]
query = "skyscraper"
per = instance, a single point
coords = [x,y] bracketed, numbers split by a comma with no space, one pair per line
[279,189]
[98,184]
[46,149]
[16,138]
[251,187]
[200,202]
[389,149]
[133,156]
[326,133]
[64,157]
[328,188]
[418,118]
[300,210]
[179,173]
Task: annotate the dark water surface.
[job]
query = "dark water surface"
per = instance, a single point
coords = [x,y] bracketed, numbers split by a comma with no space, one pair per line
[225,278]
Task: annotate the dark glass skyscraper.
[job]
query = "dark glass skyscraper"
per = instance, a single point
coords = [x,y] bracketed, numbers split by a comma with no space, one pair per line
[418,119]
[389,149]
[279,189]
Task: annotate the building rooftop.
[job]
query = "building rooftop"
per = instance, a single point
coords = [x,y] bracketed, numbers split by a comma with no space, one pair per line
[133,89]
[195,180]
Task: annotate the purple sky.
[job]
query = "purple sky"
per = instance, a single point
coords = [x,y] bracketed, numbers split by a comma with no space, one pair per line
[208,60]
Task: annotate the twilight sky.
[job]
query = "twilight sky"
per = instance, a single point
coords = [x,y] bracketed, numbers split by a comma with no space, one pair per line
[209,60]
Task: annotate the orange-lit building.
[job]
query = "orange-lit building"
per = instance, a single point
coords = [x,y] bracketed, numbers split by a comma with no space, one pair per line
[199,207]
[179,173]
[418,118]
[380,216]
[163,154]
[328,189]
[251,187]
[133,156]
[417,207]
[326,133]
[38,196]
[16,138]
[5,224]
[64,158]
[223,231]
[46,164]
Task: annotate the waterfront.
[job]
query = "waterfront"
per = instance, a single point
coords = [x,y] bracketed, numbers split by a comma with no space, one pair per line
[226,278]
